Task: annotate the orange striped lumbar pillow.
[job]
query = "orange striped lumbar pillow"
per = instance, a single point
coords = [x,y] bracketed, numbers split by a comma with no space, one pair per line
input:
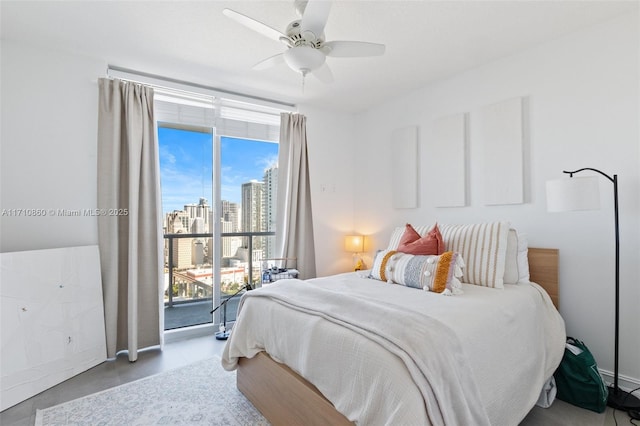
[439,274]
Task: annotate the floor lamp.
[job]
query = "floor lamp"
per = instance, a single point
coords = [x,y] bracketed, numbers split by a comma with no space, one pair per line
[583,194]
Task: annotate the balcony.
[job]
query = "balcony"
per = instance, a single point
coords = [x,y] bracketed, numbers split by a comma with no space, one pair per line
[189,268]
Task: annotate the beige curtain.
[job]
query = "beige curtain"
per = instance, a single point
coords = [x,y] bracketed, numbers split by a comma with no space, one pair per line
[294,222]
[129,220]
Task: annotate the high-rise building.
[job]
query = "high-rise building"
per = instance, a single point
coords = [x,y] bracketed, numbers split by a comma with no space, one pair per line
[230,222]
[270,192]
[197,252]
[252,206]
[200,210]
[177,222]
[229,244]
[192,220]
[197,226]
[231,213]
[253,213]
[182,253]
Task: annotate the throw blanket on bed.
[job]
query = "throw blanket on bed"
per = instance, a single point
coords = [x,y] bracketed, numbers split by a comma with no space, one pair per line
[430,350]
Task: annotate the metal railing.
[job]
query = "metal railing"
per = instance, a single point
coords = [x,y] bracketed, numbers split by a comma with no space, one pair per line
[171,261]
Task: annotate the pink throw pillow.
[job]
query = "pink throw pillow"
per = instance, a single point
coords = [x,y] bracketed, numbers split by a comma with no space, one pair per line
[412,243]
[410,235]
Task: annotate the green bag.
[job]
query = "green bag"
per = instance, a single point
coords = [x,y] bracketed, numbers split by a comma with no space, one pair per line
[578,380]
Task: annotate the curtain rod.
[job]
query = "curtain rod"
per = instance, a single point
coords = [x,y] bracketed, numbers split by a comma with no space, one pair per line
[196,85]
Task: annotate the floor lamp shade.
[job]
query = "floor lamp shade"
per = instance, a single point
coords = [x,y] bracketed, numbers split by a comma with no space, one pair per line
[575,193]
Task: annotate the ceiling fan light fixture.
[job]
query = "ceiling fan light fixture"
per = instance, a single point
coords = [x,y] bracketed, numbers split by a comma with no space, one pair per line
[307,46]
[304,58]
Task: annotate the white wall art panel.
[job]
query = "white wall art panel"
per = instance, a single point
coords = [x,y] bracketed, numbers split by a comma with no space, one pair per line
[404,167]
[447,149]
[52,319]
[501,130]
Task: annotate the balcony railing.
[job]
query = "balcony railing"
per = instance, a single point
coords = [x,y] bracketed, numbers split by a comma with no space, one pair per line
[190,283]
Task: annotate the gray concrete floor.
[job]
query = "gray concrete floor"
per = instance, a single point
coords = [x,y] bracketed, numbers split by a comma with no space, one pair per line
[114,373]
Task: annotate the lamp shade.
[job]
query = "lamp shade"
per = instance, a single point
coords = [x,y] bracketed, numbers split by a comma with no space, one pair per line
[575,193]
[354,243]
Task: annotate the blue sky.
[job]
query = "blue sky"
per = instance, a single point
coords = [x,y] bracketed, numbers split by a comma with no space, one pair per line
[186,166]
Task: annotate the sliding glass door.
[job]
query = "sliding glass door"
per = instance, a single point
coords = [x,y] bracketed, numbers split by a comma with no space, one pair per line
[186,167]
[218,163]
[248,182]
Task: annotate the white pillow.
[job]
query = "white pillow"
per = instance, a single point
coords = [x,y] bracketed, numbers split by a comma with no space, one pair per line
[516,267]
[523,258]
[483,247]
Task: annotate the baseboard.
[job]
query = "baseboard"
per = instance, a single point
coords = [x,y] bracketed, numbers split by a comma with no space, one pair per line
[625,383]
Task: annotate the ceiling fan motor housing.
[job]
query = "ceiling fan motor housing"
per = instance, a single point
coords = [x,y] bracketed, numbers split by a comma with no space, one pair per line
[297,38]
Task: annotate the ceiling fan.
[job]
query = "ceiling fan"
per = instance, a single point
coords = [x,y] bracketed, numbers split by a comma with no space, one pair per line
[307,48]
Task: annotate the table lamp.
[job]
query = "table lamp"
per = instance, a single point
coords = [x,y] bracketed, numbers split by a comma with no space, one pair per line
[355,244]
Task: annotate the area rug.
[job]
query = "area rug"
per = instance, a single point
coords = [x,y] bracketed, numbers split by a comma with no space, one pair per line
[202,393]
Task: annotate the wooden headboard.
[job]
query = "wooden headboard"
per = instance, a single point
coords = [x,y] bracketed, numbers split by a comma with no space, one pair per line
[543,270]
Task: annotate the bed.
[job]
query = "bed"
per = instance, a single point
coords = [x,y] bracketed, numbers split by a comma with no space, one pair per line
[351,349]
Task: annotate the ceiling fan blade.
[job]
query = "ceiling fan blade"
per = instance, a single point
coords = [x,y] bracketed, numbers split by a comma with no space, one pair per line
[256,26]
[323,73]
[270,62]
[315,18]
[345,49]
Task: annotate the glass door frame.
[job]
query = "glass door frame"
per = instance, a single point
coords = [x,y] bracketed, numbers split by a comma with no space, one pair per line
[216,261]
[169,122]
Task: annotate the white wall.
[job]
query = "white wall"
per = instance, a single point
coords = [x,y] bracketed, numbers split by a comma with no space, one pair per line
[331,148]
[582,108]
[48,149]
[48,154]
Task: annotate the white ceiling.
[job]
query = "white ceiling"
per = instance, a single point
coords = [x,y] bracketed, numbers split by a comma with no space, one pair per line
[194,41]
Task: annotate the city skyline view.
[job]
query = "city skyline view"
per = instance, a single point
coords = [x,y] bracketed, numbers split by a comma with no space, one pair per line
[186,159]
[249,174]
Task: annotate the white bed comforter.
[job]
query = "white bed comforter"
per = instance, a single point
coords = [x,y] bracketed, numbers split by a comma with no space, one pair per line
[388,354]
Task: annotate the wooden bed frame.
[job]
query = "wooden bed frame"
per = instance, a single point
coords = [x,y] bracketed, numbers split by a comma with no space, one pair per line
[285,398]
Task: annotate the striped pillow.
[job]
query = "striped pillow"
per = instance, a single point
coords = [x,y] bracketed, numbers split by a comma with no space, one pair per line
[483,247]
[432,273]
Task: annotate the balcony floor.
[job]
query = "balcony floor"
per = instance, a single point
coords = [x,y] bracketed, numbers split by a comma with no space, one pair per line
[195,313]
